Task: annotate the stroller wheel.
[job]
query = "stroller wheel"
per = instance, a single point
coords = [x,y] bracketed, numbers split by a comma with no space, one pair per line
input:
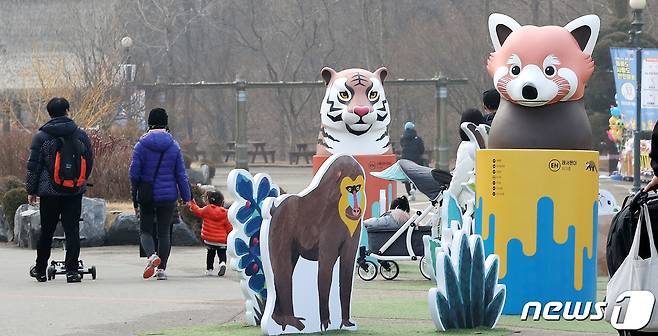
[367,270]
[425,268]
[389,269]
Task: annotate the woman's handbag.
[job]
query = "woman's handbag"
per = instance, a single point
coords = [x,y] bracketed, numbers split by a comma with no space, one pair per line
[145,189]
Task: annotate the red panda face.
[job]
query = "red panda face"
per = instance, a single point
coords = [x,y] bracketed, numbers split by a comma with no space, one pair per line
[535,66]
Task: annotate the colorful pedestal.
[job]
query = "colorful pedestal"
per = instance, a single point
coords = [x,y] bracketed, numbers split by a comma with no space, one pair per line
[537,209]
[370,163]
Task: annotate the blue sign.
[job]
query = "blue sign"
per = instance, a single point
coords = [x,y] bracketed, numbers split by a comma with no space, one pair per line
[624,66]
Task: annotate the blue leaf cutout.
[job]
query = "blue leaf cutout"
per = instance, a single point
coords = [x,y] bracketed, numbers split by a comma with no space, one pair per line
[273,193]
[446,315]
[465,279]
[244,213]
[263,189]
[494,308]
[241,248]
[244,187]
[453,293]
[253,225]
[477,284]
[257,282]
[245,261]
[254,267]
[490,282]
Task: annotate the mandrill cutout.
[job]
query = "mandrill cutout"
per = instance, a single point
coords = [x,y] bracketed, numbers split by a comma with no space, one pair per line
[309,250]
[541,73]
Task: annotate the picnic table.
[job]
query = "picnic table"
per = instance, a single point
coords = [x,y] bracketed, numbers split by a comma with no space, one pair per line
[258,149]
[302,150]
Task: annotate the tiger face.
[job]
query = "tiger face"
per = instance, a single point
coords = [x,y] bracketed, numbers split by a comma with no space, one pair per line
[355,112]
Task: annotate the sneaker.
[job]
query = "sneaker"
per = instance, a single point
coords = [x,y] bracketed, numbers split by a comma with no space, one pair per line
[73,277]
[160,274]
[151,265]
[222,269]
[210,272]
[35,273]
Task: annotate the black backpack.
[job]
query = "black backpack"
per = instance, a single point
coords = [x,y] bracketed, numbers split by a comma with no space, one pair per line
[622,230]
[70,167]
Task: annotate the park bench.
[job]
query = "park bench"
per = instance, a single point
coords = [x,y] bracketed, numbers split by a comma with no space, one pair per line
[302,151]
[259,149]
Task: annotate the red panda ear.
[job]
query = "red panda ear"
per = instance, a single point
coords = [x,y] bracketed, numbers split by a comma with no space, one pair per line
[585,30]
[381,73]
[500,28]
[328,74]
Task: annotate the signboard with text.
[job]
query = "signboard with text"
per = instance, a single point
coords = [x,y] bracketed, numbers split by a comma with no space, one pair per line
[624,66]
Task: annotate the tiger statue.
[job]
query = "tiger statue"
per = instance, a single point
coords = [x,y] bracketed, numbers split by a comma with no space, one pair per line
[354,112]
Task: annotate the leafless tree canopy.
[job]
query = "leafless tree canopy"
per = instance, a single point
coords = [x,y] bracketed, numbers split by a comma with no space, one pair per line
[287,40]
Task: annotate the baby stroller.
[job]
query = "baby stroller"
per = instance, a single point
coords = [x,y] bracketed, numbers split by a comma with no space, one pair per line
[387,245]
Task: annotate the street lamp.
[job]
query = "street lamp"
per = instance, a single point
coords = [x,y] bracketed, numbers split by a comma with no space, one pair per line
[636,30]
[126,74]
[126,42]
[128,69]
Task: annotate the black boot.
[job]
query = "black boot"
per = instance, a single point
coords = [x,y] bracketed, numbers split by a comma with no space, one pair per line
[73,277]
[38,274]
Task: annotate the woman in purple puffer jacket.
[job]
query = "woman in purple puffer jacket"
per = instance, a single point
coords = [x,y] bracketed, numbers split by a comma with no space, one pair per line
[171,180]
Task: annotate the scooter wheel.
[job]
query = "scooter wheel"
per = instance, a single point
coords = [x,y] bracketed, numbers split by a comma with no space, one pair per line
[50,273]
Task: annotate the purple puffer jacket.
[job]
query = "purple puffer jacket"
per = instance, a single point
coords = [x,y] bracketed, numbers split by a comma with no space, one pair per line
[171,178]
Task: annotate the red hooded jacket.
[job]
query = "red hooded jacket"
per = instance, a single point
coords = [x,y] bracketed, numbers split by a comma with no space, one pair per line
[216,227]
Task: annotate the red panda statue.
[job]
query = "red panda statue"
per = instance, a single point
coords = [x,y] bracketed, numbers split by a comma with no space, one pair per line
[541,73]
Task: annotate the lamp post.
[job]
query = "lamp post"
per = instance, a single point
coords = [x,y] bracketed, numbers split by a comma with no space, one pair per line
[636,30]
[128,69]
[126,76]
[441,147]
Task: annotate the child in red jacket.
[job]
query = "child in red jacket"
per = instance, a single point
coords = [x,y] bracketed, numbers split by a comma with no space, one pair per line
[215,230]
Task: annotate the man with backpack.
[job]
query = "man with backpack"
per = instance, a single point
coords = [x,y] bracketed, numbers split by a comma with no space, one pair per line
[61,160]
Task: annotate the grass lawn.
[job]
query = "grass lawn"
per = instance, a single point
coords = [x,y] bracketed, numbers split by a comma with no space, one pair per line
[400,307]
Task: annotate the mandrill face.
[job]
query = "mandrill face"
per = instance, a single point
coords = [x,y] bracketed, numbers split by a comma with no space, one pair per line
[351,204]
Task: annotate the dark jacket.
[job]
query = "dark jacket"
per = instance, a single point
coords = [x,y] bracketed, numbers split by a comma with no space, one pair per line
[413,147]
[171,178]
[489,118]
[41,163]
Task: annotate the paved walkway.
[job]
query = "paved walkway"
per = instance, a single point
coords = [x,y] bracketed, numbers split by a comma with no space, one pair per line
[119,302]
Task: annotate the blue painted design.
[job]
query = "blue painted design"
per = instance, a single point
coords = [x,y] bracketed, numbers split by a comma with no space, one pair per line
[364,242]
[490,242]
[548,275]
[454,212]
[390,192]
[374,210]
[478,217]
